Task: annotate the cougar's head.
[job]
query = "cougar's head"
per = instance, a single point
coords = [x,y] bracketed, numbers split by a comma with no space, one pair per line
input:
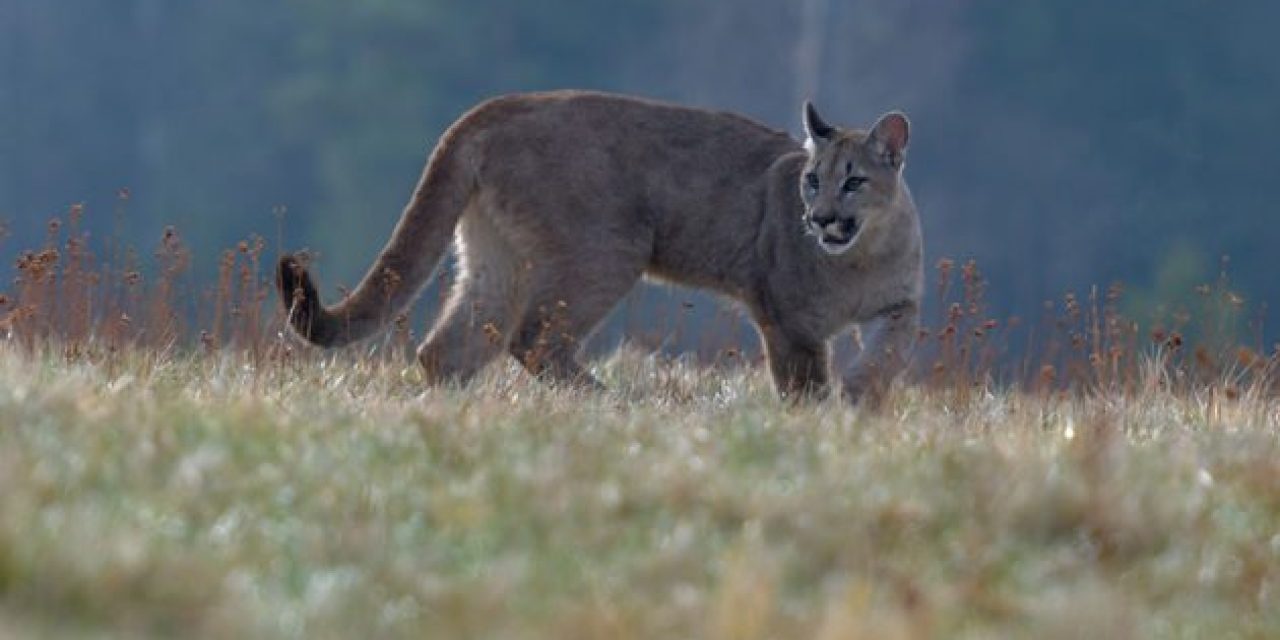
[852,179]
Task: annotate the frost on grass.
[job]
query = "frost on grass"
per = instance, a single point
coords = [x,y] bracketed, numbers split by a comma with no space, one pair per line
[209,496]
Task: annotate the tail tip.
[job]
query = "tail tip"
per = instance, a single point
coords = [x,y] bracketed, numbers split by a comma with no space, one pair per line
[297,293]
[291,277]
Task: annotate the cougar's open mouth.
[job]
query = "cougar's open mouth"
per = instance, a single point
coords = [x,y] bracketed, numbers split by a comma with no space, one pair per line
[838,236]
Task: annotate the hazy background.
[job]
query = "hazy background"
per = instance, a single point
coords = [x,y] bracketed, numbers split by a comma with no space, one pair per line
[1058,143]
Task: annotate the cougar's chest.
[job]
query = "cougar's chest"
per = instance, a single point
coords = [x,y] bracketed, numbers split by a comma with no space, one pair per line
[850,298]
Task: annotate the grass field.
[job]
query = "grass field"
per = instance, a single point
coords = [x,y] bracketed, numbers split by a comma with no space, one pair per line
[171,465]
[163,495]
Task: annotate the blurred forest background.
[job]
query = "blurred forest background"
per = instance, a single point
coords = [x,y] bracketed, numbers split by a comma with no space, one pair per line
[1060,144]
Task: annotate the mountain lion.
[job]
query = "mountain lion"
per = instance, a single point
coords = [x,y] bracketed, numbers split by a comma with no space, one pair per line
[560,202]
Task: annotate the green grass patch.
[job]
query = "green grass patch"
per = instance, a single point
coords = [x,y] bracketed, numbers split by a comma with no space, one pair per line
[198,496]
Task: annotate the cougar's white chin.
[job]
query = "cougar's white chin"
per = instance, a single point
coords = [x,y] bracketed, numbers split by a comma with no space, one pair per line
[836,247]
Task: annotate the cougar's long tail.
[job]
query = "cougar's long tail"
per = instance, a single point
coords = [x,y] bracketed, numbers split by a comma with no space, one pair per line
[416,246]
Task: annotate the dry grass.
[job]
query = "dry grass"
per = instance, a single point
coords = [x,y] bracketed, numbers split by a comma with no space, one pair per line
[201,497]
[161,477]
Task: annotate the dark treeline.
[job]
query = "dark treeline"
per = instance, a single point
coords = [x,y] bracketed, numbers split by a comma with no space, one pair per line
[1059,144]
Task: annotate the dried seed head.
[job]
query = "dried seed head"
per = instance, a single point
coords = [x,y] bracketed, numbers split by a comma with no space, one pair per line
[491,332]
[1204,359]
[390,280]
[1247,357]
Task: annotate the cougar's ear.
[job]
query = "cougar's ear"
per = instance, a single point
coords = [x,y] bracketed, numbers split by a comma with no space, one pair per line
[890,137]
[816,130]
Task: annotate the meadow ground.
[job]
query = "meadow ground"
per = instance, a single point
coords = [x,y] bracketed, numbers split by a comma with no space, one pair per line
[171,465]
[160,495]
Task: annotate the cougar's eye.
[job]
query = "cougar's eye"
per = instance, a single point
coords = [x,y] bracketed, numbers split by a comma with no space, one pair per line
[811,182]
[853,183]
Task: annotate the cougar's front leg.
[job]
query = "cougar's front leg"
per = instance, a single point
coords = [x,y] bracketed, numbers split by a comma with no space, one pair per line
[885,351]
[799,367]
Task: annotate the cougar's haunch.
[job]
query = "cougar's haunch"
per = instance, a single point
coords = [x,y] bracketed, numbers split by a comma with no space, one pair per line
[560,202]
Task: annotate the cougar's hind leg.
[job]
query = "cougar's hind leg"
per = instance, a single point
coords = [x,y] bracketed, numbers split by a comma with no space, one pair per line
[570,301]
[483,308]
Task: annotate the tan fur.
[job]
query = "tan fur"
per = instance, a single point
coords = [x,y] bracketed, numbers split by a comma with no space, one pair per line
[560,202]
